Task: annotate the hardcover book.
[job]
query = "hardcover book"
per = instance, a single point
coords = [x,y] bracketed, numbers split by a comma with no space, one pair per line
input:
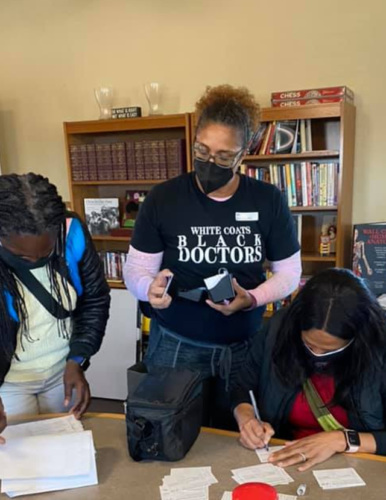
[102,215]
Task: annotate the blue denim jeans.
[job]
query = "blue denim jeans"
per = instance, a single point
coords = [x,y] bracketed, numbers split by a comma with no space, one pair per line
[218,365]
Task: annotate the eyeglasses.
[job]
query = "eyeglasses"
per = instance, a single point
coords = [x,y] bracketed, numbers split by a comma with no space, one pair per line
[222,159]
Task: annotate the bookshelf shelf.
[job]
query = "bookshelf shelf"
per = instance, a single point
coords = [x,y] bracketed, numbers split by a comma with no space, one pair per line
[311,111]
[116,285]
[294,157]
[313,209]
[124,125]
[117,183]
[315,257]
[111,238]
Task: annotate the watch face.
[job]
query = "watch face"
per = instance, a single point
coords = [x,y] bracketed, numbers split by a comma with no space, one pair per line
[353,438]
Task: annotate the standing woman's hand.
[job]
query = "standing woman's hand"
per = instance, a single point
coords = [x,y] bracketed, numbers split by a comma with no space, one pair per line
[242,300]
[74,380]
[3,421]
[157,298]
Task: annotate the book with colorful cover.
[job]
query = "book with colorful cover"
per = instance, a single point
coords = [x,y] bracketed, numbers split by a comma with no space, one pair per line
[342,90]
[285,136]
[369,255]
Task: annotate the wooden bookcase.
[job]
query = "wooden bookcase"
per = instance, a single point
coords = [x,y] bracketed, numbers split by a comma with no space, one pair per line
[333,130]
[110,131]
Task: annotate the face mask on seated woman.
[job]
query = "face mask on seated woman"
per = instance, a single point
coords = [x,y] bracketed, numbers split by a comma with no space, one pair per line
[320,362]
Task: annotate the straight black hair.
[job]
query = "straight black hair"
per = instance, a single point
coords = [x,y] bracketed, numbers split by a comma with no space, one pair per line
[339,303]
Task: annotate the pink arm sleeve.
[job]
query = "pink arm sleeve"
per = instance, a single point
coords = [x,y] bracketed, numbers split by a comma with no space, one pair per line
[139,271]
[285,279]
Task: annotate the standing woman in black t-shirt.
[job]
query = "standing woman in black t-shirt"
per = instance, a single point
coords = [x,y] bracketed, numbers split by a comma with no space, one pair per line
[194,226]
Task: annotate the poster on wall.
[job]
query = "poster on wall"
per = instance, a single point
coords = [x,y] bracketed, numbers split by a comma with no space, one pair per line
[369,255]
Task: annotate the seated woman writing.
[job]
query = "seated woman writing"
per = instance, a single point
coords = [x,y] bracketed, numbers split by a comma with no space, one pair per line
[318,375]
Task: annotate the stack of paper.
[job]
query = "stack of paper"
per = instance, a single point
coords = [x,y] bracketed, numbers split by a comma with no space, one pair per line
[47,455]
[332,479]
[187,483]
[264,454]
[265,473]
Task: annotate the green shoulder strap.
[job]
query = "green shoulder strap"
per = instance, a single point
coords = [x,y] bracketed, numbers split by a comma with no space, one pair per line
[324,417]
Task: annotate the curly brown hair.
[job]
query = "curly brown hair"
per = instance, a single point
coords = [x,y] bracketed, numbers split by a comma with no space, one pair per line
[232,106]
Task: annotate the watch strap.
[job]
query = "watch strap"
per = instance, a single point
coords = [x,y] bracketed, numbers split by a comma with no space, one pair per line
[351,448]
[83,362]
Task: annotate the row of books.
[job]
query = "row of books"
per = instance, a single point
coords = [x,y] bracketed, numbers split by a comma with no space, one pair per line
[113,263]
[290,98]
[132,160]
[305,184]
[284,137]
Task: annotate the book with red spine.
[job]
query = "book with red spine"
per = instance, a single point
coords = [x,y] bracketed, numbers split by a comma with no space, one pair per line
[298,184]
[306,102]
[313,93]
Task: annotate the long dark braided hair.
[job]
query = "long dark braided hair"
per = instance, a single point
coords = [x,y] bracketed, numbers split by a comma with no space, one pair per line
[30,204]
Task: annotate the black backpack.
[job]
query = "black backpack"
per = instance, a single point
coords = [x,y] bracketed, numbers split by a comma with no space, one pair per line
[163,412]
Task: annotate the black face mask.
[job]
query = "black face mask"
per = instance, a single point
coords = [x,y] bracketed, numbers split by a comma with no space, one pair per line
[323,362]
[17,262]
[211,176]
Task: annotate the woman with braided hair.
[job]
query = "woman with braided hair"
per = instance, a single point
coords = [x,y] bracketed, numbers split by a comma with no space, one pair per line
[54,300]
[200,224]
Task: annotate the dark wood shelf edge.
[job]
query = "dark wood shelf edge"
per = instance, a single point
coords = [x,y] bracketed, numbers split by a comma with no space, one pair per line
[298,156]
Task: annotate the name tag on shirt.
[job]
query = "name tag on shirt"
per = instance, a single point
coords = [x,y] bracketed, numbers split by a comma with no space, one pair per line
[247,216]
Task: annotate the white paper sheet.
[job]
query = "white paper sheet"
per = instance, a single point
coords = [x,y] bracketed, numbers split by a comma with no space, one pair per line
[60,425]
[332,479]
[264,473]
[15,487]
[264,454]
[54,455]
[187,483]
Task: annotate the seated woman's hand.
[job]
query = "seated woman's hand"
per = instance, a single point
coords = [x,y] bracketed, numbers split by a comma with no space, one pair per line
[156,291]
[310,451]
[3,421]
[253,434]
[242,300]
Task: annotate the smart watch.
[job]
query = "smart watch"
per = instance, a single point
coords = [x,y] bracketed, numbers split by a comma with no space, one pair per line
[353,441]
[84,363]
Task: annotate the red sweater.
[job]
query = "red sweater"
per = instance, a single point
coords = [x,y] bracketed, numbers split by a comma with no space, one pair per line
[301,418]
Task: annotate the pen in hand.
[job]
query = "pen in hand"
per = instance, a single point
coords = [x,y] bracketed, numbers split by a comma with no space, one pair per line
[256,411]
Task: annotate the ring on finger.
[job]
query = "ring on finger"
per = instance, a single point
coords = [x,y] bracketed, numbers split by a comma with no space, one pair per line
[304,458]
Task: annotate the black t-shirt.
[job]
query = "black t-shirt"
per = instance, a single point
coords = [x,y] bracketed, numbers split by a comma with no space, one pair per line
[199,236]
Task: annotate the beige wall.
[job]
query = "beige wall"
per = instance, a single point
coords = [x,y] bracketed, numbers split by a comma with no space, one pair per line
[54,52]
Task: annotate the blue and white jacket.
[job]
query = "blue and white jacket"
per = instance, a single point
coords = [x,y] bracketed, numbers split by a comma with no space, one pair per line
[93,295]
